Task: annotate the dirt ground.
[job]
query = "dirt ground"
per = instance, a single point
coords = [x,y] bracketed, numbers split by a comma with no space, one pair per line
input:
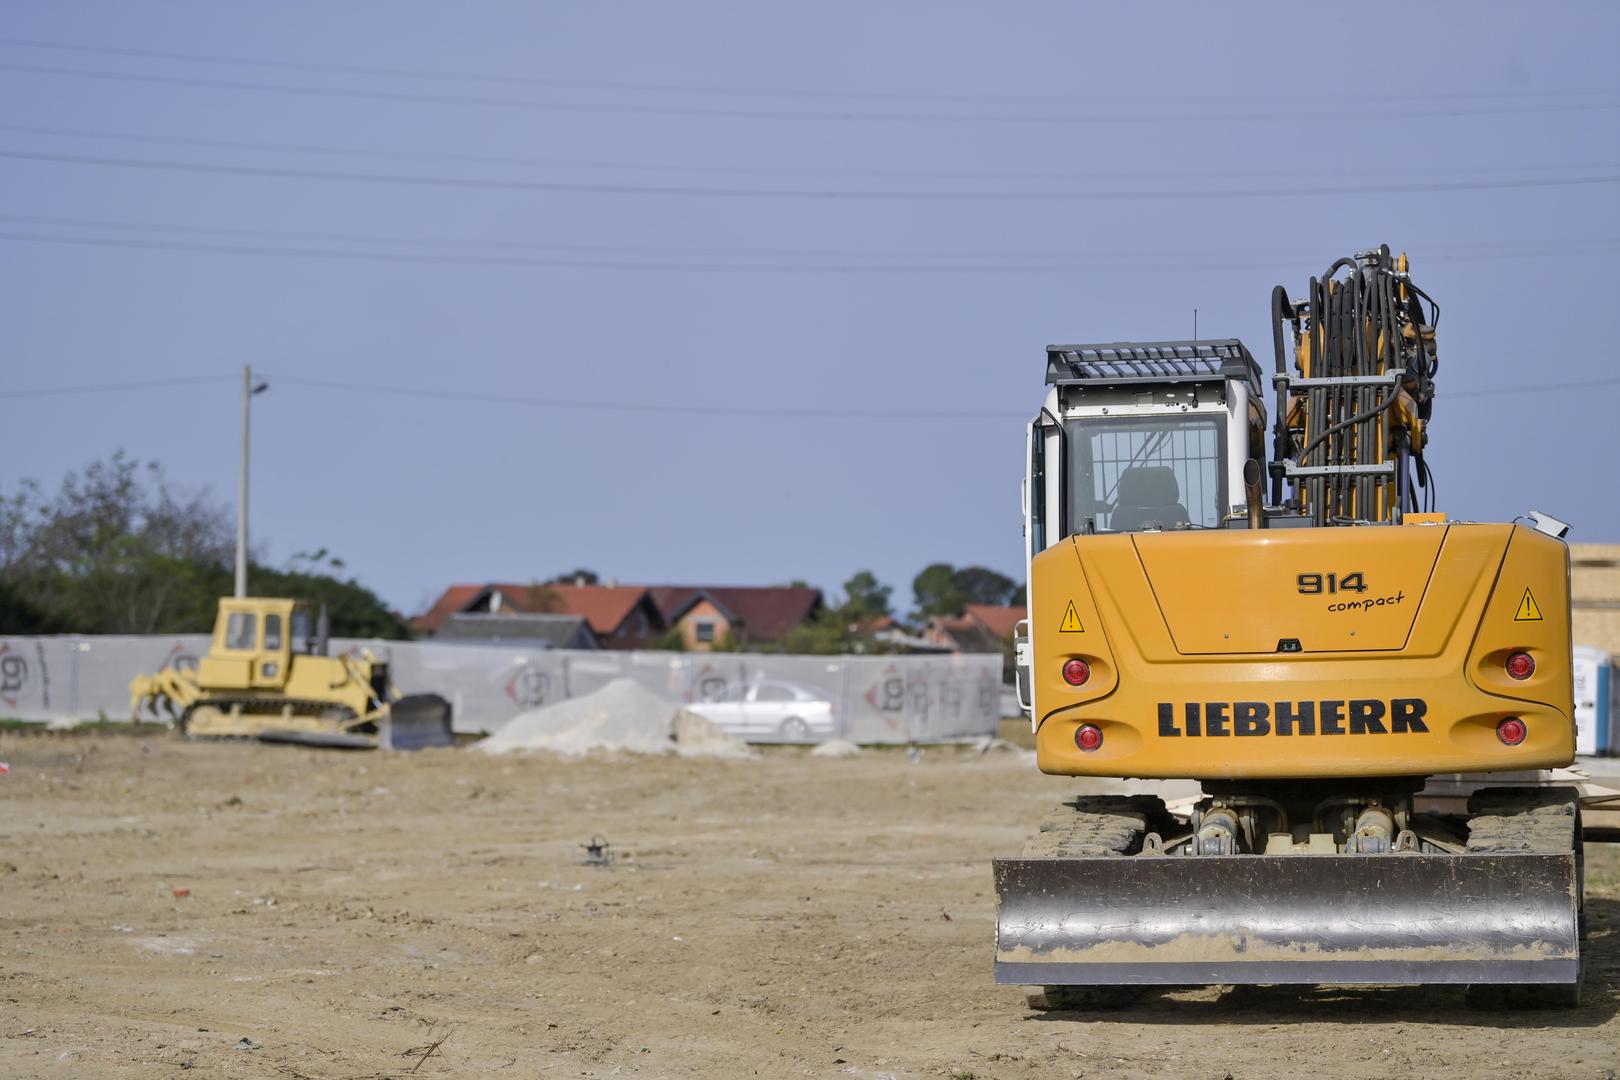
[266,911]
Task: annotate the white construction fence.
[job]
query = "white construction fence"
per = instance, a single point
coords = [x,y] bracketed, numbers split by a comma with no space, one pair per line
[876,699]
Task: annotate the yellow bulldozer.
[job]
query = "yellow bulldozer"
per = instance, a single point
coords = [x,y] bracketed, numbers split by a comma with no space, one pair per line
[1310,656]
[267,676]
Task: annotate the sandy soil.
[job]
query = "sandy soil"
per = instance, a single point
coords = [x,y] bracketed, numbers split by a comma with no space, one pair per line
[163,904]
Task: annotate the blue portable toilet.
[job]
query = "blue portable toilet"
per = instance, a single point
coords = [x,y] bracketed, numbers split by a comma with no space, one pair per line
[1595,721]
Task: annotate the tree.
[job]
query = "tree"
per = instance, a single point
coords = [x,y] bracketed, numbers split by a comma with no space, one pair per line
[942,589]
[114,550]
[865,597]
[981,585]
[118,550]
[935,591]
[353,610]
[576,577]
[19,615]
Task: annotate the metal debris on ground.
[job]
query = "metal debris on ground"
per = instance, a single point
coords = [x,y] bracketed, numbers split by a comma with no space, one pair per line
[599,852]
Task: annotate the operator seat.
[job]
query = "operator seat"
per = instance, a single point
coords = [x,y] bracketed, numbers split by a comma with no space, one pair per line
[1148,495]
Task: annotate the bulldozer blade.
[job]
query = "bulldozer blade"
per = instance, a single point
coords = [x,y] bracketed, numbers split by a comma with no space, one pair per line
[1339,919]
[416,721]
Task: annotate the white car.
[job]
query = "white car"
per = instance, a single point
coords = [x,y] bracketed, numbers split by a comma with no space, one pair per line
[770,712]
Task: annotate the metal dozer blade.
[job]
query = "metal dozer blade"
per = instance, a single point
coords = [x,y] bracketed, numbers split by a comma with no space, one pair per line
[1393,918]
[416,721]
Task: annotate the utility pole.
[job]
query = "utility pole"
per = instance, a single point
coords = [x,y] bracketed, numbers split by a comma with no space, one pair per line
[248,390]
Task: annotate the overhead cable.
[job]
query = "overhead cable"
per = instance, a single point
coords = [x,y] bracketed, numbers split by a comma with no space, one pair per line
[1005,176]
[823,194]
[487,78]
[1384,115]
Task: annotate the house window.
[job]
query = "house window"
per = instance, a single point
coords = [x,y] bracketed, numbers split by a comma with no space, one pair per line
[703,630]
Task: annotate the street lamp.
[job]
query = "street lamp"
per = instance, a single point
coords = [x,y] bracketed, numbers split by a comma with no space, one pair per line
[248,390]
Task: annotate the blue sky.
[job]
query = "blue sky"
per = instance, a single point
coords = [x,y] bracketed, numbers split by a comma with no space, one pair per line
[454,199]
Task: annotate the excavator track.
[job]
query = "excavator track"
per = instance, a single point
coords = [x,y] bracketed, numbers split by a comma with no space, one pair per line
[1093,825]
[1098,825]
[1538,821]
[1531,821]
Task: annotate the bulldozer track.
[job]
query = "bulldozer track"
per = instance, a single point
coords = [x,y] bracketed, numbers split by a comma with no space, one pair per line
[266,707]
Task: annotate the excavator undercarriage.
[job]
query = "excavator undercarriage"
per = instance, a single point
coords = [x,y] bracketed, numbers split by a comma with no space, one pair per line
[1114,891]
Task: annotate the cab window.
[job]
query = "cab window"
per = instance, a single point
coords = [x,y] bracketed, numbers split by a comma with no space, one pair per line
[300,631]
[241,631]
[1129,473]
[272,631]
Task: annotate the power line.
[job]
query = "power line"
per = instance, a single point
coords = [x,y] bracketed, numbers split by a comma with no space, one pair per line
[1386,115]
[107,388]
[772,411]
[671,408]
[1537,388]
[1110,266]
[738,91]
[827,194]
[1023,176]
[1114,264]
[929,260]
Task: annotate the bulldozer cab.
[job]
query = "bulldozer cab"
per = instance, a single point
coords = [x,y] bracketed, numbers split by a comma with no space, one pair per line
[1145,436]
[254,642]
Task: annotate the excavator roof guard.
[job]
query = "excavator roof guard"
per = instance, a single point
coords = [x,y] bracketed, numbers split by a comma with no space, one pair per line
[1122,362]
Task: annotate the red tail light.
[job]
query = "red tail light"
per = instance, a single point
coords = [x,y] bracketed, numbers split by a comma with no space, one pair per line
[1520,665]
[1076,672]
[1512,731]
[1088,737]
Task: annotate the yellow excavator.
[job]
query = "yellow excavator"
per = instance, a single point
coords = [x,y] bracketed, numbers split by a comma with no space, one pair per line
[267,676]
[1309,655]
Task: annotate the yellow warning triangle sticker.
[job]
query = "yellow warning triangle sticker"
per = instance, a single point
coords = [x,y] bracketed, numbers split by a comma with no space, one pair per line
[1071,621]
[1528,611]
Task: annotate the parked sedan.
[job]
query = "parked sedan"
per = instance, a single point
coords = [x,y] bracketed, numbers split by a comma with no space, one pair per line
[771,712]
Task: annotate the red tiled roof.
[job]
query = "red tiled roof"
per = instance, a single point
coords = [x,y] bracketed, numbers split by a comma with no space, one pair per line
[963,633]
[452,601]
[766,613]
[1000,621]
[604,607]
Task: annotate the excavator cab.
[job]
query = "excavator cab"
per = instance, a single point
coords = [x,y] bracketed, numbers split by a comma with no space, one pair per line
[1134,437]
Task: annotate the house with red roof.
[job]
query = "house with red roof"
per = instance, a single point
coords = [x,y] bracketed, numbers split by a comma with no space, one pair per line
[981,628]
[619,616]
[626,616]
[744,615]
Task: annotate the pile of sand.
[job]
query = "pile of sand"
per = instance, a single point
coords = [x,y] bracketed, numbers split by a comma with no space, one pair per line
[835,748]
[623,715]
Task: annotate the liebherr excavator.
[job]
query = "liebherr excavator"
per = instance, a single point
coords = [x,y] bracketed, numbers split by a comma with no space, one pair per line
[1308,654]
